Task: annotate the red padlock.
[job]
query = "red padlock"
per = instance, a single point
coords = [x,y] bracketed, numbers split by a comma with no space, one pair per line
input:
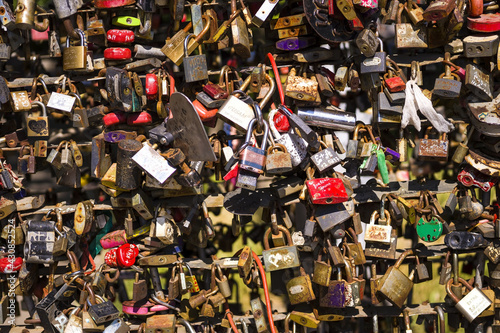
[117,53]
[469,176]
[112,3]
[484,23]
[281,122]
[110,258]
[356,24]
[10,265]
[126,255]
[151,87]
[215,91]
[139,118]
[208,117]
[120,36]
[326,191]
[394,84]
[114,118]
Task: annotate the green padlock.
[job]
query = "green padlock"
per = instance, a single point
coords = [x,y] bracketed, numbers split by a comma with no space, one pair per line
[429,230]
[382,166]
[126,21]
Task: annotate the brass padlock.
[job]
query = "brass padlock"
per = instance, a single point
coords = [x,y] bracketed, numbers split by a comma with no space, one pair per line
[75,57]
[38,126]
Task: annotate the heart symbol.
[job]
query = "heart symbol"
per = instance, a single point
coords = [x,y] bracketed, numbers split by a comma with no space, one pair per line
[38,126]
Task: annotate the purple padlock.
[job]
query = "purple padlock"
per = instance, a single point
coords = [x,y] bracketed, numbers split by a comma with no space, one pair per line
[334,295]
[295,43]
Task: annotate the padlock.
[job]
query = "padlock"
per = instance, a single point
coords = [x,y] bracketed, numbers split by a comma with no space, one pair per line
[195,67]
[438,10]
[353,144]
[223,283]
[101,312]
[75,57]
[326,159]
[20,101]
[61,102]
[140,289]
[423,270]
[446,268]
[354,289]
[252,158]
[300,288]
[333,296]
[26,164]
[174,48]
[478,82]
[60,244]
[6,178]
[322,270]
[38,126]
[300,87]
[431,228]
[379,233]
[279,258]
[367,42]
[326,191]
[67,160]
[448,84]
[99,281]
[40,237]
[433,149]
[472,304]
[395,285]
[278,160]
[480,46]
[409,35]
[355,249]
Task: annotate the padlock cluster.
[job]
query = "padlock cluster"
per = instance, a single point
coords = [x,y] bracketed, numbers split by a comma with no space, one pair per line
[252,166]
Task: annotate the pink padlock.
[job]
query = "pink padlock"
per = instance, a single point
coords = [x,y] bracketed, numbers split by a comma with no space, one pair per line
[114,239]
[136,308]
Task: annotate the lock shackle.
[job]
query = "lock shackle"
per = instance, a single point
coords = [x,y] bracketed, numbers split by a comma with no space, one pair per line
[91,299]
[376,214]
[440,315]
[276,146]
[258,115]
[21,151]
[41,105]
[396,68]
[81,34]
[357,129]
[223,75]
[414,69]
[382,206]
[280,228]
[76,311]
[353,235]
[44,24]
[372,137]
[77,98]
[450,292]
[34,87]
[272,87]
[348,271]
[186,41]
[73,261]
[59,146]
[401,7]
[403,256]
